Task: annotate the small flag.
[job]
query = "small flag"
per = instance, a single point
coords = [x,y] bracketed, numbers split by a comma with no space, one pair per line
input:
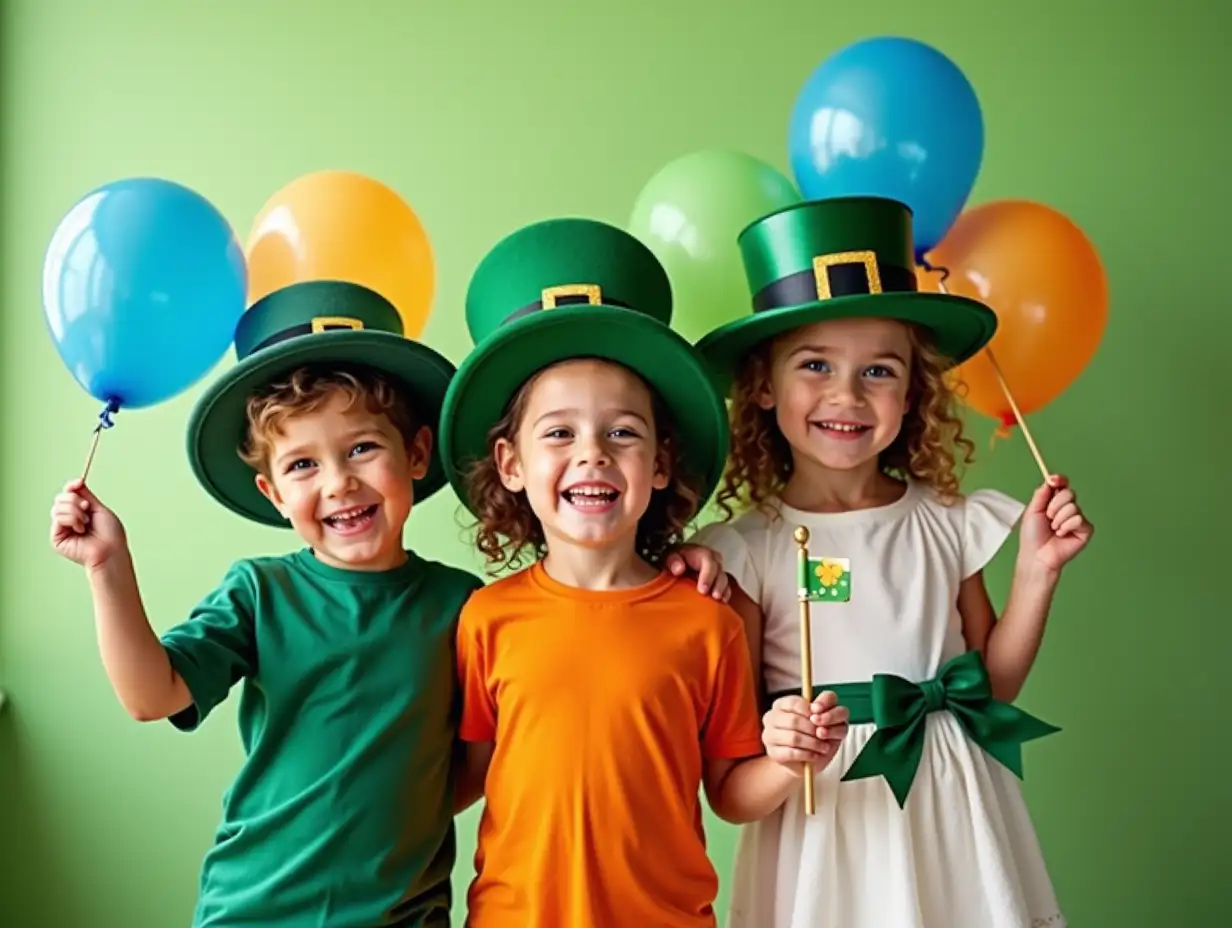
[827,580]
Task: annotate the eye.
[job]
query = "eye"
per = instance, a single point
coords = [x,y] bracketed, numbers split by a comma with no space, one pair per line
[300,464]
[624,431]
[558,433]
[816,366]
[879,371]
[364,447]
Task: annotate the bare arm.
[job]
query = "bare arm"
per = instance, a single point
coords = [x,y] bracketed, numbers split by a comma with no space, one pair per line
[86,532]
[746,790]
[136,662]
[476,758]
[794,733]
[1009,645]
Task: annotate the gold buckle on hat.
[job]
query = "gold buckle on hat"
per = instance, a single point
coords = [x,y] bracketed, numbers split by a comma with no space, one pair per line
[324,323]
[592,292]
[822,264]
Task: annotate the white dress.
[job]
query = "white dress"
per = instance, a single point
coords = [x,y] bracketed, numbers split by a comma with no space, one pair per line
[961,852]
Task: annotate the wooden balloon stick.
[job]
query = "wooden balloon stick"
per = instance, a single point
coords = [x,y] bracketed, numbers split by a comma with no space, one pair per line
[1009,398]
[806,654]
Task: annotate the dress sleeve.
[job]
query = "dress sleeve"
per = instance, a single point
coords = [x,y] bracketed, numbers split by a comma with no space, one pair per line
[216,646]
[989,516]
[478,709]
[733,726]
[738,558]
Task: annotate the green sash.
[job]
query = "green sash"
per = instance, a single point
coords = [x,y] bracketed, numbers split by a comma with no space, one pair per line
[899,707]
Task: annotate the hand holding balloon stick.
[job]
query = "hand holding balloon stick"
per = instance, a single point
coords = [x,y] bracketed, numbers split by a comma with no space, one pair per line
[143,285]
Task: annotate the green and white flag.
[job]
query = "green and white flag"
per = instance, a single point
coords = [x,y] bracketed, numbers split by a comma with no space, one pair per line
[826,580]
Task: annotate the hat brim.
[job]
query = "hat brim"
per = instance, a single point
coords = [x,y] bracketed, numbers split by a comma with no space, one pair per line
[490,376]
[960,326]
[216,426]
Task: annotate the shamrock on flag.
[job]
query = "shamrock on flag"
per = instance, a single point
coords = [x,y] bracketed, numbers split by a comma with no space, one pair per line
[829,580]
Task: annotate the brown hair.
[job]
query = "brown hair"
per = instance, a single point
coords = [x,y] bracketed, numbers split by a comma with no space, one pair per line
[306,390]
[930,447]
[506,525]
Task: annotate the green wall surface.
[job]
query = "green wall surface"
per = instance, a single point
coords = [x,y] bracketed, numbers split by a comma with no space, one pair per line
[489,116]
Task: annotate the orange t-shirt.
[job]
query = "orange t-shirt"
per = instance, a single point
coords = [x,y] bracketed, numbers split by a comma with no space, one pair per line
[602,706]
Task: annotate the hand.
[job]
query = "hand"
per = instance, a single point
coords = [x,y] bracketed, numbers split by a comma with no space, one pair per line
[1053,528]
[796,732]
[83,529]
[707,564]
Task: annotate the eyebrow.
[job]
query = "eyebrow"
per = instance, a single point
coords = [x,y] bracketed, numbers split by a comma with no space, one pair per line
[826,349]
[563,412]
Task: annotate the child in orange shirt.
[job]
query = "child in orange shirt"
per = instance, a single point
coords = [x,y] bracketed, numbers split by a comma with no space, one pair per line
[599,690]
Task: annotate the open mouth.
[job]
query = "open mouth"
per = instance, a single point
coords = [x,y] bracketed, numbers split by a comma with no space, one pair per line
[842,429]
[591,496]
[351,521]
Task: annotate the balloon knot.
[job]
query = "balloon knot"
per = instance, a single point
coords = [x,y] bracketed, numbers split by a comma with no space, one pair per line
[104,418]
[932,268]
[1002,431]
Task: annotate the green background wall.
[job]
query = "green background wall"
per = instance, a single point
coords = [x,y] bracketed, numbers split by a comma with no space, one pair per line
[489,116]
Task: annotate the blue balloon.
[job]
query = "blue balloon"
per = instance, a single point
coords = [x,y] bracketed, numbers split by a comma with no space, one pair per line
[890,117]
[143,284]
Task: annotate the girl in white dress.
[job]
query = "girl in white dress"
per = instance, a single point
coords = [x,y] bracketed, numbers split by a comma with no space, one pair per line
[843,423]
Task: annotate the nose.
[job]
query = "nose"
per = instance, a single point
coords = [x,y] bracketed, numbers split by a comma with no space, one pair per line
[845,391]
[592,451]
[338,481]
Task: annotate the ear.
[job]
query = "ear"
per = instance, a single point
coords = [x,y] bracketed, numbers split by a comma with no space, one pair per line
[662,467]
[763,395]
[419,453]
[508,467]
[270,492]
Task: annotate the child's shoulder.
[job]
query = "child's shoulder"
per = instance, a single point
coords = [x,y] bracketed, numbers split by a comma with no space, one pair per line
[500,595]
[972,510]
[749,527]
[441,574]
[704,611]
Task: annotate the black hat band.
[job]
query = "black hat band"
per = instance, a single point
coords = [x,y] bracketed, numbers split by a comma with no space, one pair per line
[315,327]
[845,273]
[566,295]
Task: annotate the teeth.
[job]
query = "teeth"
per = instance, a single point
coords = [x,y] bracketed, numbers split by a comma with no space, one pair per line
[348,514]
[589,496]
[837,427]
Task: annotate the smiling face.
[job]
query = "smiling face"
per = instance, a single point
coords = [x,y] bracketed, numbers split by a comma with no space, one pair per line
[840,390]
[586,453]
[342,474]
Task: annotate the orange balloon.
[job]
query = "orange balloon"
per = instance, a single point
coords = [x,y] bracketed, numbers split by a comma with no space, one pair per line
[1042,276]
[337,225]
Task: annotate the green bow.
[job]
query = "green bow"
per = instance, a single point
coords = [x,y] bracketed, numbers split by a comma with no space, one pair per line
[899,708]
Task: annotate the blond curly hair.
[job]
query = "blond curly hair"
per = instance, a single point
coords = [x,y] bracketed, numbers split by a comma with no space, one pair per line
[931,446]
[307,389]
[507,529]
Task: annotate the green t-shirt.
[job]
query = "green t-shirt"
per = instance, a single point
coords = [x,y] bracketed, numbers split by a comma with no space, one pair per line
[342,815]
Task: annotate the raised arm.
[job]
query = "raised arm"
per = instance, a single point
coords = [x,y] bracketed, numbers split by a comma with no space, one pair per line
[138,666]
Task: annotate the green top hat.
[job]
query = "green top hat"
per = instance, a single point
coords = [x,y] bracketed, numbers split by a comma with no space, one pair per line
[837,259]
[317,322]
[576,288]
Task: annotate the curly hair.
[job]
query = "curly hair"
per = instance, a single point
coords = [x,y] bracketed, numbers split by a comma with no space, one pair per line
[507,528]
[306,390]
[930,447]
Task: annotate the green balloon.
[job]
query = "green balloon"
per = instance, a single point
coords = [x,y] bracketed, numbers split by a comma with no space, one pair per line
[689,215]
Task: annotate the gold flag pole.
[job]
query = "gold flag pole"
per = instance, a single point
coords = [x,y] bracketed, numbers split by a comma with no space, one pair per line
[806,654]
